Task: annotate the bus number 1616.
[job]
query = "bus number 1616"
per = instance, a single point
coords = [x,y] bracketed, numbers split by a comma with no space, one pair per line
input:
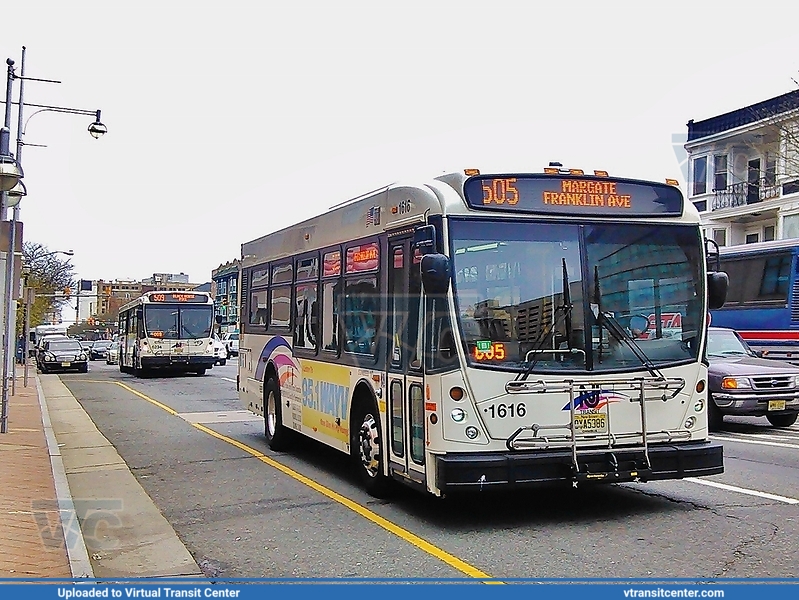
[502,410]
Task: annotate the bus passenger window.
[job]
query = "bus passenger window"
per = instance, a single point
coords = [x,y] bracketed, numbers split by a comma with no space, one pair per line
[330,324]
[360,316]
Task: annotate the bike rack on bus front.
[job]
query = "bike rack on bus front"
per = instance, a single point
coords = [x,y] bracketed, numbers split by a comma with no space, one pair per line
[664,389]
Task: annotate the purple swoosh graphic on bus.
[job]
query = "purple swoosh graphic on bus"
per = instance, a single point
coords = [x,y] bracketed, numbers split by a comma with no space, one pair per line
[270,348]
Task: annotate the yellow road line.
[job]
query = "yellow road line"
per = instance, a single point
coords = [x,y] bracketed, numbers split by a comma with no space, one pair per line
[171,411]
[406,535]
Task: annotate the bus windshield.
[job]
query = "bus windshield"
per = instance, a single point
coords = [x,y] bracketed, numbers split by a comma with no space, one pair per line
[535,295]
[178,322]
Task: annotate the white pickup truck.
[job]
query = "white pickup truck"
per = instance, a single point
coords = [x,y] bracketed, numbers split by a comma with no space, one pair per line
[231,341]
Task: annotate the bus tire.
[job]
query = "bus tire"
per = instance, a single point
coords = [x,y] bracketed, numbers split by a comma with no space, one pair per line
[277,435]
[715,418]
[784,420]
[366,447]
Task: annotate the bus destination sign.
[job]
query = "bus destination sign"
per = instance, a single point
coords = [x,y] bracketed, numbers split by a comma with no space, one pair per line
[182,297]
[572,195]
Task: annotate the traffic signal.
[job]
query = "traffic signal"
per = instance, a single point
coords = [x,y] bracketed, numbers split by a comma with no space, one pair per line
[90,320]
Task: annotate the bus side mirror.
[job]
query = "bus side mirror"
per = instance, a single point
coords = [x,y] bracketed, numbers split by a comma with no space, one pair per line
[139,313]
[424,238]
[218,319]
[717,284]
[435,273]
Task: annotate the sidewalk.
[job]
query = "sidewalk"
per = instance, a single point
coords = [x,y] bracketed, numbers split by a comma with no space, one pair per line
[69,505]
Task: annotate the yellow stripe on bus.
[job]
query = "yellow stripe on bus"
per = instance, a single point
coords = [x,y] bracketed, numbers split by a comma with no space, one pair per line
[406,535]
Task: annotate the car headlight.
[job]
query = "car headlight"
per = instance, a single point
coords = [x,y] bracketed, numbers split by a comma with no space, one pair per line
[735,383]
[49,357]
[81,356]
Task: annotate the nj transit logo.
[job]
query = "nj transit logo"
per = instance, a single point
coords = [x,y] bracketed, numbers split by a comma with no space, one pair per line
[596,399]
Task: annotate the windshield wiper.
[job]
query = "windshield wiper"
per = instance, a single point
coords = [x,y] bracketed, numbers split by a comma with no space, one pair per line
[609,322]
[561,312]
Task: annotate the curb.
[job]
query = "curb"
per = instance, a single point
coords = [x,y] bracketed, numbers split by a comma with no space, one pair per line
[79,562]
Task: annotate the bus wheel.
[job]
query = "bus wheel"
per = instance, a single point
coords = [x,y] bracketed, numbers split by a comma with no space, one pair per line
[782,420]
[366,445]
[715,419]
[277,436]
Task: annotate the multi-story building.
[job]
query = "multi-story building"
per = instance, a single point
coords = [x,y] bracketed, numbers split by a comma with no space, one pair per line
[167,282]
[744,171]
[225,287]
[103,301]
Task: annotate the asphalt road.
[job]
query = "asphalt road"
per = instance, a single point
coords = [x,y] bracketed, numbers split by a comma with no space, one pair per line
[241,516]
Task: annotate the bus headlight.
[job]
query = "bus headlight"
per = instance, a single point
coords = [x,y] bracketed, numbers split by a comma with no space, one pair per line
[472,432]
[690,422]
[458,415]
[700,404]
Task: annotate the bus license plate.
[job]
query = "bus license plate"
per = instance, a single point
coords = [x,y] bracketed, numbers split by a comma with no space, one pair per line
[69,364]
[776,404]
[591,423]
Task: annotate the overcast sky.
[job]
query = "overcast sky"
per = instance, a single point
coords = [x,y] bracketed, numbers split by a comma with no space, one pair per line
[228,120]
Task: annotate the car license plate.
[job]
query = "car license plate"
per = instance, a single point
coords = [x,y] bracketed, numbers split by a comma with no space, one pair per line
[590,423]
[776,404]
[68,364]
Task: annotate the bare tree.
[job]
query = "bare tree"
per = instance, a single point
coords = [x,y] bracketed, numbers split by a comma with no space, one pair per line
[778,135]
[52,278]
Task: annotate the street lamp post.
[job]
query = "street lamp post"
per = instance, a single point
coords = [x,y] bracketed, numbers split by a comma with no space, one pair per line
[10,173]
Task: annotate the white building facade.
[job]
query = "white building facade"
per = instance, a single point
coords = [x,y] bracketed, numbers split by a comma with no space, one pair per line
[744,172]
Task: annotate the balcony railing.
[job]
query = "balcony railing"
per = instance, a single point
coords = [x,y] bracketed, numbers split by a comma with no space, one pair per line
[744,192]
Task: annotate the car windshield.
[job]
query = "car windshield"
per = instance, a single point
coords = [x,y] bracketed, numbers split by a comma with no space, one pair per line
[65,346]
[726,342]
[531,293]
[101,344]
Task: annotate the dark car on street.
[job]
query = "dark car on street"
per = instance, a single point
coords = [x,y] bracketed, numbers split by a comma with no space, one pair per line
[62,355]
[99,349]
[744,384]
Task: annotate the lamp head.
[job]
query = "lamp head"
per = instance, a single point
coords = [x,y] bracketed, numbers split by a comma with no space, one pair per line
[15,194]
[10,169]
[97,130]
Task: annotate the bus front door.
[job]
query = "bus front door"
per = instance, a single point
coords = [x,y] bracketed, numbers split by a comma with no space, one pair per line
[405,391]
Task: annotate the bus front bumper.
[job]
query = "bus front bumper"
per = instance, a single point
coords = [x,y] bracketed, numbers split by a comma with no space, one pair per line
[465,472]
[177,362]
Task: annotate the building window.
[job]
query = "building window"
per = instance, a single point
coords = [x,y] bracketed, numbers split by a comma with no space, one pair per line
[700,175]
[752,238]
[790,226]
[770,174]
[768,233]
[720,236]
[720,172]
